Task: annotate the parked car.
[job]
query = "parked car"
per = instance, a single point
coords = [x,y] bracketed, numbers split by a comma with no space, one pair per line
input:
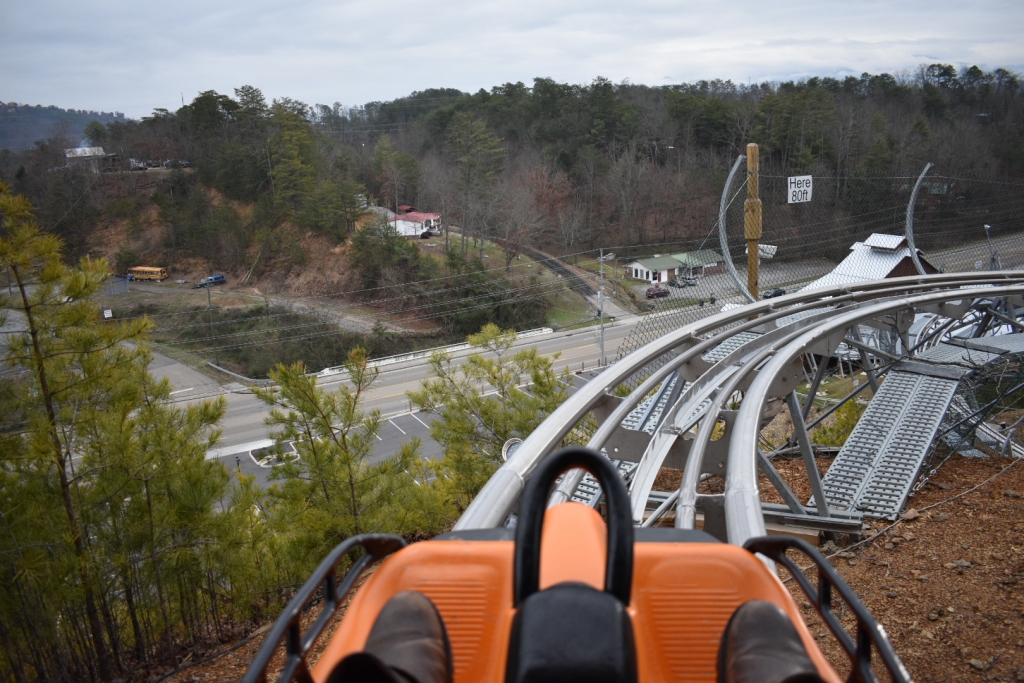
[655,292]
[683,282]
[772,293]
[211,281]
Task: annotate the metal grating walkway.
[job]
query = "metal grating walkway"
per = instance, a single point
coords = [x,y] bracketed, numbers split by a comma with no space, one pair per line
[589,487]
[647,414]
[881,458]
[728,346]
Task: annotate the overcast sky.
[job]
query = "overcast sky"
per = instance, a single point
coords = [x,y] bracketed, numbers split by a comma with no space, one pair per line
[136,56]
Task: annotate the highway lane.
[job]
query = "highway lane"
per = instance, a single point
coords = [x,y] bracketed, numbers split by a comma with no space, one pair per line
[243,428]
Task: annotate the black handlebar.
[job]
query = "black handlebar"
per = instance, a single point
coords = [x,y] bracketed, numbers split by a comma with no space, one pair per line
[619,566]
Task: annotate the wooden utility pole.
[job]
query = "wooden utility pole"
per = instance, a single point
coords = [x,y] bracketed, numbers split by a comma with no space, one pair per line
[752,221]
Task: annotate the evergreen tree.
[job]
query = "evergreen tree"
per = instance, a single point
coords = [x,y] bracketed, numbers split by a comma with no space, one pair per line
[105,489]
[491,397]
[333,488]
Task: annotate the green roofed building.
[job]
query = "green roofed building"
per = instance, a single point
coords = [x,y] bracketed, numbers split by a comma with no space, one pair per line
[658,268]
[693,263]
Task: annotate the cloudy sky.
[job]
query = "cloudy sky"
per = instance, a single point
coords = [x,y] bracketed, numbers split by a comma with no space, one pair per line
[137,56]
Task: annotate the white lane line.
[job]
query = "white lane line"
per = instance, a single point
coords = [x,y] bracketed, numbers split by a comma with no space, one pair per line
[378,436]
[396,426]
[413,415]
[180,391]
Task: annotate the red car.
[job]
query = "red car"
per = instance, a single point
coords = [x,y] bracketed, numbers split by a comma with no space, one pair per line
[656,291]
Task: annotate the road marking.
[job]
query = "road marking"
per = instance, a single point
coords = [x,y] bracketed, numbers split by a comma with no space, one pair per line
[180,391]
[378,436]
[396,426]
[413,415]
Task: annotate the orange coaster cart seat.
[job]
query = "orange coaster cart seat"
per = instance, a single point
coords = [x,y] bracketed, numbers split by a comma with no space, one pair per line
[684,587]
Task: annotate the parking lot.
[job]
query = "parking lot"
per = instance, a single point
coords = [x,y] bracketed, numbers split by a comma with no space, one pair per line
[720,286]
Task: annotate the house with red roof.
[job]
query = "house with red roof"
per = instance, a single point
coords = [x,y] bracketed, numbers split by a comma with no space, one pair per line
[417,224]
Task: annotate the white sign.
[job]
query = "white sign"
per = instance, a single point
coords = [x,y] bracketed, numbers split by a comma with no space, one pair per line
[108,313]
[764,251]
[800,189]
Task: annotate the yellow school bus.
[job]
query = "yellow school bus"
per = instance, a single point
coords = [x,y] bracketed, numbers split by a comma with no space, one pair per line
[147,273]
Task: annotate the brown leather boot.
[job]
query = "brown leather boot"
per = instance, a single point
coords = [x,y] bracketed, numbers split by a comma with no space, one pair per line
[407,644]
[761,645]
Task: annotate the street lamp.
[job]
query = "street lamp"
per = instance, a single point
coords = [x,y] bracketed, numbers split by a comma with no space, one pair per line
[993,263]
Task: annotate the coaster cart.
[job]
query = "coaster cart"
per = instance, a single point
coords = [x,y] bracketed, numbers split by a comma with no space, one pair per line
[565,595]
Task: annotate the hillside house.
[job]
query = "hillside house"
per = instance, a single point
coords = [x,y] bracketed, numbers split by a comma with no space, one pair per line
[417,224]
[700,262]
[878,257]
[658,268]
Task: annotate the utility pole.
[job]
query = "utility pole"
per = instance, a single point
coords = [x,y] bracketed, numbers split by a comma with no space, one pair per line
[600,302]
[752,221]
[209,319]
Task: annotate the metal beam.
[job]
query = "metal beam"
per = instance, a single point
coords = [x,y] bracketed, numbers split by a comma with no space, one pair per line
[807,452]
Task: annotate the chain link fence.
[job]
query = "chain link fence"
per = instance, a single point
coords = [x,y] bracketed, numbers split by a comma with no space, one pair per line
[811,239]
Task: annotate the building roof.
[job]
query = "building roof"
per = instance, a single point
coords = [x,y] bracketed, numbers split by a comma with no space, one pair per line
[381,210]
[83,152]
[872,259]
[885,242]
[695,259]
[416,216]
[658,263]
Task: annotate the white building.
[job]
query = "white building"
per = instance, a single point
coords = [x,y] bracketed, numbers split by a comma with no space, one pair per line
[654,270]
[87,157]
[417,224]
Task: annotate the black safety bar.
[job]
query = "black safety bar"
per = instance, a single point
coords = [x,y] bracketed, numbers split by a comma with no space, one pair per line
[287,628]
[526,561]
[869,631]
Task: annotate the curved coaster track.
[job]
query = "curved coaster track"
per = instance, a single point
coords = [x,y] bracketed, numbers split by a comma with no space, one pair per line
[701,394]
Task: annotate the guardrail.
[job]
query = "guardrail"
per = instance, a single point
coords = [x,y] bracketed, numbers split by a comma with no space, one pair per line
[426,353]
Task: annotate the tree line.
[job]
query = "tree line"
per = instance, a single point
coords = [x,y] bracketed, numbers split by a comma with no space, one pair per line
[558,166]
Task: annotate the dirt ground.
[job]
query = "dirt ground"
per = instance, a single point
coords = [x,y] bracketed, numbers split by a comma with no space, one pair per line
[945,581]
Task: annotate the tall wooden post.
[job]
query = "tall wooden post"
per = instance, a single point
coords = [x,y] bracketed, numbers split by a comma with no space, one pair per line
[752,221]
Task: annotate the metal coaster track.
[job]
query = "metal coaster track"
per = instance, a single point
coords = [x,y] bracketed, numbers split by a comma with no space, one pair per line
[760,351]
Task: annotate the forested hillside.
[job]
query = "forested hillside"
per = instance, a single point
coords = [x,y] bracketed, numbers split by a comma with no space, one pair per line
[558,166]
[127,552]
[21,125]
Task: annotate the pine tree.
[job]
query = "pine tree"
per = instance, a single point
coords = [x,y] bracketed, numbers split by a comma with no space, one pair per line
[95,466]
[333,487]
[483,403]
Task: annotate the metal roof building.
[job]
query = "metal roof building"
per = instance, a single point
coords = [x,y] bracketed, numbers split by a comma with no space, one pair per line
[876,258]
[696,259]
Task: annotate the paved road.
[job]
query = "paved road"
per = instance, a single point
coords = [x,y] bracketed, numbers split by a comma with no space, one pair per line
[243,428]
